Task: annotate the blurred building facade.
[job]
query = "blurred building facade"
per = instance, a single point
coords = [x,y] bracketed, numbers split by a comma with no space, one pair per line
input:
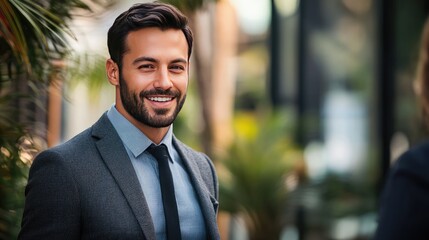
[346,69]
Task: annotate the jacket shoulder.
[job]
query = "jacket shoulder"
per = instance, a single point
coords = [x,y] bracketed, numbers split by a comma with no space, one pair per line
[82,144]
[414,163]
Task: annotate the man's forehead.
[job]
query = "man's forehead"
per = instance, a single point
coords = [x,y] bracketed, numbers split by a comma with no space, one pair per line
[153,42]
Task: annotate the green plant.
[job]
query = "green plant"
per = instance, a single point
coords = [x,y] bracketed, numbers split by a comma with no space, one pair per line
[33,40]
[253,175]
[13,173]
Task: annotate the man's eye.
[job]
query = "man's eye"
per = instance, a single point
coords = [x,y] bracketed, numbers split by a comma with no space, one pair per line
[146,66]
[177,67]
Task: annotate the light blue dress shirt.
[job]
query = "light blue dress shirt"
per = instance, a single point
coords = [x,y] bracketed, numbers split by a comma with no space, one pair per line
[192,224]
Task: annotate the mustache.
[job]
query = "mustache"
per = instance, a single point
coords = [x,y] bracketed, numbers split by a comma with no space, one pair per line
[169,92]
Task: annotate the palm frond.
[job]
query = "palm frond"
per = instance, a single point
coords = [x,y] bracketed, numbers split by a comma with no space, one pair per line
[33,34]
[11,31]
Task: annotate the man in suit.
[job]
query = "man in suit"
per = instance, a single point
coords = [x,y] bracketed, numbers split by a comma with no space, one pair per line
[104,183]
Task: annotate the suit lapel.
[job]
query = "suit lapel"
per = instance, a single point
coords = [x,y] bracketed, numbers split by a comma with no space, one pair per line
[116,158]
[206,200]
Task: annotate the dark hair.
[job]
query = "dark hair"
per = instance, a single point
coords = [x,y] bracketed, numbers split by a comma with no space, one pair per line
[422,72]
[144,15]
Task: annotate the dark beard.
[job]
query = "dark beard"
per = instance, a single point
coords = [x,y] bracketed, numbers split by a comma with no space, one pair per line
[134,105]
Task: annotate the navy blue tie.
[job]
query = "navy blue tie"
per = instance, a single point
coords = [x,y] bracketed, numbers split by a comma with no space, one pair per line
[167,191]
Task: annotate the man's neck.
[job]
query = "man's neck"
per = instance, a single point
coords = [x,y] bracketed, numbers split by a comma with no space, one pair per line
[154,134]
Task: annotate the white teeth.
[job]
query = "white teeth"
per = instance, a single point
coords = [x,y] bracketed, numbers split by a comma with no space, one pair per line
[160,99]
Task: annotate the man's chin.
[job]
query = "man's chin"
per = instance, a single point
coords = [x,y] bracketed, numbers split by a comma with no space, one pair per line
[159,124]
[161,112]
[158,121]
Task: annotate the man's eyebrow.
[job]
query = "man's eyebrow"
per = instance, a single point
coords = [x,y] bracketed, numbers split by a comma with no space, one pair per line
[150,59]
[144,59]
[179,60]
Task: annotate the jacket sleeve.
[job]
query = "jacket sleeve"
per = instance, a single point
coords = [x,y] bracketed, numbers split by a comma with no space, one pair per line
[52,201]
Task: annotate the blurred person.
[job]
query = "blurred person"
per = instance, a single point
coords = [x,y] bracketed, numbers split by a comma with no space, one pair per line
[106,182]
[404,209]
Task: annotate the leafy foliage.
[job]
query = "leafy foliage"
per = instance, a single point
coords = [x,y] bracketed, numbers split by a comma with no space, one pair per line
[88,69]
[33,41]
[253,176]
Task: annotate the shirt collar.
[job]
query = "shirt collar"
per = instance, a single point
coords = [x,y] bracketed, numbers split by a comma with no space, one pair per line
[134,139]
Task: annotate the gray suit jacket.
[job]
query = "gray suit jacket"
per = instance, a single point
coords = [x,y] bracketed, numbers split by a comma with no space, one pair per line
[87,188]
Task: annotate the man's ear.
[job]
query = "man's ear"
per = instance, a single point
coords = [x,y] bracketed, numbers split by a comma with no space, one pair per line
[112,70]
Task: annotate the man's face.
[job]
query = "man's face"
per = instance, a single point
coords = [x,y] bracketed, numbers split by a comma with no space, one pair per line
[154,75]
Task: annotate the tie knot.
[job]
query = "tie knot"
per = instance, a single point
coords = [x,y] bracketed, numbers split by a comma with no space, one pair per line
[160,152]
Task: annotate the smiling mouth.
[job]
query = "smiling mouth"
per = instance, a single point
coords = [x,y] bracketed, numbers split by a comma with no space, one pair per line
[160,99]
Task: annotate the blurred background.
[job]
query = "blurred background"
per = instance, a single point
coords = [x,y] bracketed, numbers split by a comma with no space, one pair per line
[302,105]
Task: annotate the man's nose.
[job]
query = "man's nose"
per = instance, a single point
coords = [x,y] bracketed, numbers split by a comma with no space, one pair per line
[163,79]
